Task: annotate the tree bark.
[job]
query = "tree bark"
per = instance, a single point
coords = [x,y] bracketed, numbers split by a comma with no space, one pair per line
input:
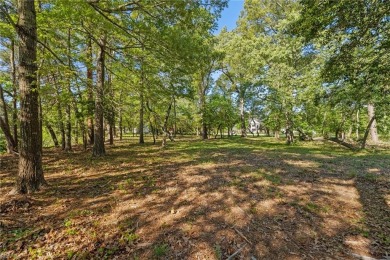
[110,114]
[174,117]
[120,125]
[90,124]
[141,119]
[52,134]
[68,122]
[242,117]
[165,127]
[4,124]
[15,94]
[98,145]
[289,128]
[30,173]
[203,114]
[357,124]
[364,141]
[373,128]
[60,122]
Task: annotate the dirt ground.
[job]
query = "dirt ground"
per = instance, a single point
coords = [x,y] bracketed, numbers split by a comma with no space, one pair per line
[252,198]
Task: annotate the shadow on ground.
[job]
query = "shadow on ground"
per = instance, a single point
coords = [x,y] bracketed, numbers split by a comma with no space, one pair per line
[202,200]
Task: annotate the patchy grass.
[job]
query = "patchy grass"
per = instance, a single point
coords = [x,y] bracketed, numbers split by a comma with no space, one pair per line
[202,200]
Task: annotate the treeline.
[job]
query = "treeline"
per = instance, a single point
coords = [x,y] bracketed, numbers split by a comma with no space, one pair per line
[84,71]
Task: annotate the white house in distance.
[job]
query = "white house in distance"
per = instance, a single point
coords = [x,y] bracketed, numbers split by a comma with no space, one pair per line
[254,125]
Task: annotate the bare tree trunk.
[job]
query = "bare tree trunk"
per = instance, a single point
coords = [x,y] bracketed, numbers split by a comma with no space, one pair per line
[90,94]
[203,115]
[15,94]
[363,146]
[242,117]
[68,123]
[324,134]
[152,128]
[98,145]
[357,124]
[52,134]
[289,129]
[111,134]
[61,125]
[4,124]
[141,119]
[373,129]
[174,117]
[76,132]
[110,114]
[120,125]
[165,127]
[204,131]
[30,173]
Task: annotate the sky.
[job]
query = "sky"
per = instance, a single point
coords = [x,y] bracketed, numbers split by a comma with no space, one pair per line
[230,15]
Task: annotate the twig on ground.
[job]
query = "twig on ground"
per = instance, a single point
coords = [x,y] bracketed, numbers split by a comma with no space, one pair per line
[236,253]
[242,235]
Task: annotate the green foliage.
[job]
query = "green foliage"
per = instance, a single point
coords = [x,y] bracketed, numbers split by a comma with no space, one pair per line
[161,250]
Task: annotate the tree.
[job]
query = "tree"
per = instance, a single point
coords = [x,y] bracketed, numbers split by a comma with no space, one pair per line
[354,36]
[30,173]
[4,124]
[98,145]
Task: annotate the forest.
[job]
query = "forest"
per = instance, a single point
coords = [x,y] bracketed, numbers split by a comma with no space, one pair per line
[138,129]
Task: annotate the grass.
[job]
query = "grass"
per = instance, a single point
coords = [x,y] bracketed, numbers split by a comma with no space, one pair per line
[186,201]
[161,250]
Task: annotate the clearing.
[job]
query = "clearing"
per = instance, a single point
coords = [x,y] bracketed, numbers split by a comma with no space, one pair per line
[255,197]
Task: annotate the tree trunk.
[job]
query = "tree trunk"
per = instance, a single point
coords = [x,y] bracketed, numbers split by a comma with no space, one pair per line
[174,117]
[141,119]
[61,125]
[363,146]
[30,173]
[52,134]
[68,128]
[357,124]
[242,117]
[110,114]
[4,124]
[153,132]
[68,122]
[373,129]
[290,136]
[203,116]
[76,132]
[98,145]
[120,125]
[111,134]
[165,130]
[289,129]
[15,94]
[218,129]
[323,131]
[90,94]
[204,131]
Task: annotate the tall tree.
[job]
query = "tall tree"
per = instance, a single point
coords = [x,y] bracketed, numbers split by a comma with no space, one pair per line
[98,145]
[30,174]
